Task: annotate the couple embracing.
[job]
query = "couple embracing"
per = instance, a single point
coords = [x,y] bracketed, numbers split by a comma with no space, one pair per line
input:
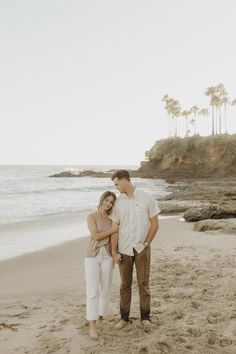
[121,230]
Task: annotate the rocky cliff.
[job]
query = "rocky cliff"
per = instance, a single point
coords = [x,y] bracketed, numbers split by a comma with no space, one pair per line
[192,157]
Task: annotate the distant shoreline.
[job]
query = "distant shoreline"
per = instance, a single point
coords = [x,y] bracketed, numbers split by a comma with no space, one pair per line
[28,235]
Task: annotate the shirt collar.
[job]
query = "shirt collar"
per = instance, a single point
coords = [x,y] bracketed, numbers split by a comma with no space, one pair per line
[124,196]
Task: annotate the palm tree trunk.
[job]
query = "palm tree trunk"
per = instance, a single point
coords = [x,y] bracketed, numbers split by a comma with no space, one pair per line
[172,126]
[212,121]
[186,125]
[216,123]
[220,119]
[225,119]
[176,127]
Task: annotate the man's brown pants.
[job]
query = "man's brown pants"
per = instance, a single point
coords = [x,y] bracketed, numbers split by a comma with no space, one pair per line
[142,265]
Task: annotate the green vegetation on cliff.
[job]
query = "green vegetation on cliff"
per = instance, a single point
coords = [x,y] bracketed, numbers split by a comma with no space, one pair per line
[195,156]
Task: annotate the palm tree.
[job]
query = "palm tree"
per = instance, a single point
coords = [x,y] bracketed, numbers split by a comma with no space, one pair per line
[167,101]
[176,114]
[233,103]
[225,101]
[204,112]
[192,122]
[194,110]
[173,109]
[222,100]
[218,101]
[210,91]
[219,98]
[217,104]
[185,114]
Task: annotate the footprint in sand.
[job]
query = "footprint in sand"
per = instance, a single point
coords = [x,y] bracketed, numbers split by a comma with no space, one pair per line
[225,342]
[50,344]
[179,248]
[214,317]
[229,335]
[181,340]
[56,328]
[164,345]
[143,349]
[194,277]
[233,314]
[191,320]
[19,314]
[42,327]
[195,305]
[195,332]
[211,337]
[177,314]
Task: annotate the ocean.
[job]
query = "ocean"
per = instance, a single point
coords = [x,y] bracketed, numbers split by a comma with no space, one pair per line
[27,193]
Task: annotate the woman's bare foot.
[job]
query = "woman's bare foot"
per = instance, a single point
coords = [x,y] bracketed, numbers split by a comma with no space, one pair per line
[92,330]
[93,334]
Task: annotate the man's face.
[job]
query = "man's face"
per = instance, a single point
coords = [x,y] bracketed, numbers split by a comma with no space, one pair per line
[120,184]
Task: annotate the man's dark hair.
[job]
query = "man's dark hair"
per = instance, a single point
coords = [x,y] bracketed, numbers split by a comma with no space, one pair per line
[121,174]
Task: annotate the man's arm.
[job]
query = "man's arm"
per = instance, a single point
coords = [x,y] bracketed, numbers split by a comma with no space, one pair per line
[153,229]
[114,244]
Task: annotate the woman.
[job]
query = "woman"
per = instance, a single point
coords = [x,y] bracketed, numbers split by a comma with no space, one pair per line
[99,263]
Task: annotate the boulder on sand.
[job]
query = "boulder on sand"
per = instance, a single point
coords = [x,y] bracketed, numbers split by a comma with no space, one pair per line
[223,225]
[224,211]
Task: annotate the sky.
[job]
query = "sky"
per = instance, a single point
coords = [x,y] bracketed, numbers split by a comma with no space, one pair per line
[81,81]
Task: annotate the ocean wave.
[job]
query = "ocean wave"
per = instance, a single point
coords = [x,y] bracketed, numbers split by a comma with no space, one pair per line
[55,190]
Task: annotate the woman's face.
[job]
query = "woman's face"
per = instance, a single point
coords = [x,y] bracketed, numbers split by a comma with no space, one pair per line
[108,202]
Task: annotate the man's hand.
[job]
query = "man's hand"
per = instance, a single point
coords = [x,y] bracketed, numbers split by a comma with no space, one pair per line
[117,258]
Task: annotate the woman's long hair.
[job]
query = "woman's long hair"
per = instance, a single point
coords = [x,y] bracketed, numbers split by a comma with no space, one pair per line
[103,197]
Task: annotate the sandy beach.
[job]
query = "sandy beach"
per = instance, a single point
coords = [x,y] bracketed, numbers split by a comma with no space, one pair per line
[42,297]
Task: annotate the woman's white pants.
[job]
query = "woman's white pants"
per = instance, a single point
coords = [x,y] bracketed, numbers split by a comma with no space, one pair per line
[98,276]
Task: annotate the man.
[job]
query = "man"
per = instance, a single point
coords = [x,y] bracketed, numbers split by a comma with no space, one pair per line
[135,211]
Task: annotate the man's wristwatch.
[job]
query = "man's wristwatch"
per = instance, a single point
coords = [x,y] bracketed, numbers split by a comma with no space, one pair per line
[146,244]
